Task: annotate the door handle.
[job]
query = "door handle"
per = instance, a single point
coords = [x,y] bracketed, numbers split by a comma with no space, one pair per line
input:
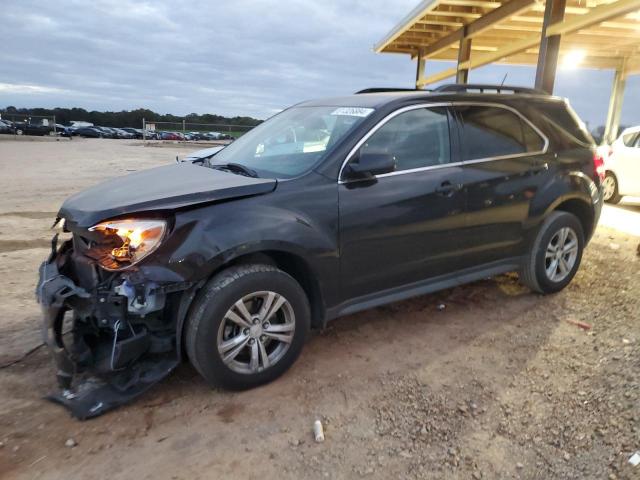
[447,189]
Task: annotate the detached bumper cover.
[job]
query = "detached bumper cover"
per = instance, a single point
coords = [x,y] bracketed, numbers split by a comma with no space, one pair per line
[84,392]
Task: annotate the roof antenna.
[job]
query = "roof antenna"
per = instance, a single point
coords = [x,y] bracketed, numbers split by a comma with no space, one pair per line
[504,78]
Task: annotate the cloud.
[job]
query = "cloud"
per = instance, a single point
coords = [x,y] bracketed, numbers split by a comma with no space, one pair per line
[246,57]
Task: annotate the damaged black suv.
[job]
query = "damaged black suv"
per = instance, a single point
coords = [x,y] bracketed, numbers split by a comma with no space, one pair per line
[330,207]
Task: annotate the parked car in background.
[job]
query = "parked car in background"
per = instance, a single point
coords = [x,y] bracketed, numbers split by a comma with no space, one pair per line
[136,132]
[124,134]
[622,167]
[7,127]
[63,130]
[199,135]
[28,128]
[213,135]
[331,207]
[107,132]
[80,123]
[89,132]
[169,136]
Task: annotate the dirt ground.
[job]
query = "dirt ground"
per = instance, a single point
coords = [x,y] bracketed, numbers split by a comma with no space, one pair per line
[485,381]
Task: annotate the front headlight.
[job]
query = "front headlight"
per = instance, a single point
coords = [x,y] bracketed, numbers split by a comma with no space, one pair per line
[128,241]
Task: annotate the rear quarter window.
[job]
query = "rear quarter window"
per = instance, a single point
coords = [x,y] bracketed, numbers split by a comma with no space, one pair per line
[562,117]
[489,132]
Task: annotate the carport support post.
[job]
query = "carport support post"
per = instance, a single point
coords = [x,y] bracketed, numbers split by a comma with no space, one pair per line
[615,103]
[549,46]
[420,61]
[144,130]
[464,55]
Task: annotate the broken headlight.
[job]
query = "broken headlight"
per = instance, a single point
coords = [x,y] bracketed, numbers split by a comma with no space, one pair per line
[126,242]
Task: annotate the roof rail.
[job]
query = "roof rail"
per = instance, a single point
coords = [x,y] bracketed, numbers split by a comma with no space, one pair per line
[466,87]
[391,89]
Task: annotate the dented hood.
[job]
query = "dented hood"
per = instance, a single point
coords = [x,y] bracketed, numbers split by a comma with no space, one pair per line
[162,188]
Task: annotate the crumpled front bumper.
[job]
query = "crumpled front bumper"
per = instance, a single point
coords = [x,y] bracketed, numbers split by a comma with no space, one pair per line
[88,392]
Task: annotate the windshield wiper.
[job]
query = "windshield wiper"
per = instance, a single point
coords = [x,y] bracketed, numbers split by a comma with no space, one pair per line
[236,168]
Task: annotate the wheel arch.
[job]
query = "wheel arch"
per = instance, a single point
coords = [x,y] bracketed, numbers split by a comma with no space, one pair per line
[582,210]
[287,261]
[294,265]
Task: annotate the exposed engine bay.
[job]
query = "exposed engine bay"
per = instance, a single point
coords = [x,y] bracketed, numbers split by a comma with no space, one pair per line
[115,292]
[114,336]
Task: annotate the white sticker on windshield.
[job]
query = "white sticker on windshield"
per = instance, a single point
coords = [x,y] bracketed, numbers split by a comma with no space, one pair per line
[353,111]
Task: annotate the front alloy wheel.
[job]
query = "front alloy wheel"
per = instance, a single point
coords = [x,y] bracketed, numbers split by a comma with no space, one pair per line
[247,326]
[256,332]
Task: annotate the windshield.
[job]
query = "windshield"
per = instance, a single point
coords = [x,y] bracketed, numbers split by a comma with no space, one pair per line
[293,141]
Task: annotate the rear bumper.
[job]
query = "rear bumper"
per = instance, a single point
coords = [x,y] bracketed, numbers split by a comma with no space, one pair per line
[108,356]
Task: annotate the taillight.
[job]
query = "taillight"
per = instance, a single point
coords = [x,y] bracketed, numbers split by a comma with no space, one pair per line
[598,165]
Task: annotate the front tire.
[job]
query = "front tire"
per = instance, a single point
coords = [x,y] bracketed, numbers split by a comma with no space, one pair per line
[555,255]
[610,193]
[247,326]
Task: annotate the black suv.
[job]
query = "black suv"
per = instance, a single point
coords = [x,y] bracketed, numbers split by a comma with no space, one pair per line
[330,207]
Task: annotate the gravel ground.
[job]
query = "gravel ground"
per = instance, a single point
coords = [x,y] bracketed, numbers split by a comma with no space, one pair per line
[482,381]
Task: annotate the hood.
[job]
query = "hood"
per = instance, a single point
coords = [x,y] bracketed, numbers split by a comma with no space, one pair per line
[162,188]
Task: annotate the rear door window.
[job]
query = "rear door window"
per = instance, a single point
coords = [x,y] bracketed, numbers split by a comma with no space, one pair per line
[416,138]
[489,132]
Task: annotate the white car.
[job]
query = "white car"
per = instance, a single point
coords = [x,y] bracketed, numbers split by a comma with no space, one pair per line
[622,167]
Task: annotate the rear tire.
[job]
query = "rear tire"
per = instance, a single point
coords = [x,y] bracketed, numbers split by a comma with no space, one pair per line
[610,192]
[247,326]
[555,255]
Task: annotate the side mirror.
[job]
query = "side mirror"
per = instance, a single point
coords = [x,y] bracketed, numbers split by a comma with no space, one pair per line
[369,164]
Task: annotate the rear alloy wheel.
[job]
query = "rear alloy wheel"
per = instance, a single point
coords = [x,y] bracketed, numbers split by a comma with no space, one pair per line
[556,254]
[561,254]
[247,326]
[610,189]
[19,131]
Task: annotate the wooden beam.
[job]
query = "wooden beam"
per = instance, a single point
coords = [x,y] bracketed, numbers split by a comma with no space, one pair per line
[444,43]
[549,46]
[569,9]
[484,23]
[514,47]
[472,3]
[447,13]
[633,67]
[513,7]
[464,55]
[436,77]
[441,22]
[420,61]
[598,14]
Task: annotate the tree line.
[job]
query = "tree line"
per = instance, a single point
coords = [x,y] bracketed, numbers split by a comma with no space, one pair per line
[125,118]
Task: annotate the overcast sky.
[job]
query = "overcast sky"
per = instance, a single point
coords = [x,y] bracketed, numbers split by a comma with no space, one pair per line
[240,57]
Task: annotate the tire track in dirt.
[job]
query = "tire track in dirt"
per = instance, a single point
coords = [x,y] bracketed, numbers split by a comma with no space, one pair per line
[13,245]
[31,215]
